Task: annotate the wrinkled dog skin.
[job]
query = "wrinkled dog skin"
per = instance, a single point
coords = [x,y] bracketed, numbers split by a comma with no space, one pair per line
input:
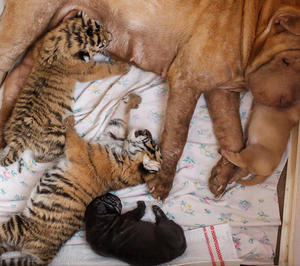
[127,237]
[212,46]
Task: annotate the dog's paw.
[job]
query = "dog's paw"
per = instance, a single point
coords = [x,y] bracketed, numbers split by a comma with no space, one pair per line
[160,186]
[220,177]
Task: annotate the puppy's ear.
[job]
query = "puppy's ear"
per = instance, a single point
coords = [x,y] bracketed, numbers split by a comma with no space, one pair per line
[112,202]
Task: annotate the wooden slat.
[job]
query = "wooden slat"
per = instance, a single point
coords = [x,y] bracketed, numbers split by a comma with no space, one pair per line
[291,202]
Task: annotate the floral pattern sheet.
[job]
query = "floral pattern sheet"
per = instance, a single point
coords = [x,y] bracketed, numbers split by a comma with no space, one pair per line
[252,212]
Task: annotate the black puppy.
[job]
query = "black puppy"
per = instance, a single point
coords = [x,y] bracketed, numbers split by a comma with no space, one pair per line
[128,238]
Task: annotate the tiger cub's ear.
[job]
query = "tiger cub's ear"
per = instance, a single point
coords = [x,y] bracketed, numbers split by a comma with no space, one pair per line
[47,49]
[85,19]
[79,14]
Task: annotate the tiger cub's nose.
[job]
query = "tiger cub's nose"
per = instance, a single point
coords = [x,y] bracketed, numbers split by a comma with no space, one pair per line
[144,132]
[139,133]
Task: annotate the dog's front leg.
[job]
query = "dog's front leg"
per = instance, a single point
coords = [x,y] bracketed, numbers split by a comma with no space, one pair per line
[181,103]
[223,107]
[22,22]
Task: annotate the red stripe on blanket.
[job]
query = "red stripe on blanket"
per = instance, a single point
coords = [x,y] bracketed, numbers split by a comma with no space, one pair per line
[209,247]
[217,245]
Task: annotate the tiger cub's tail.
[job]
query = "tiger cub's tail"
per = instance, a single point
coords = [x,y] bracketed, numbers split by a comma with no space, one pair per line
[14,237]
[15,151]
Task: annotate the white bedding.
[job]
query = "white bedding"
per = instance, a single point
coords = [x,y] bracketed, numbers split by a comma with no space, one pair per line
[251,212]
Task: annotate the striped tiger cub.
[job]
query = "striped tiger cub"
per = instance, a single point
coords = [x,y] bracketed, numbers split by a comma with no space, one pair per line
[61,58]
[56,207]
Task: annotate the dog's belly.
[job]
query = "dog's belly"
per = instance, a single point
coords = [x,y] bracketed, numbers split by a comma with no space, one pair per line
[143,52]
[145,33]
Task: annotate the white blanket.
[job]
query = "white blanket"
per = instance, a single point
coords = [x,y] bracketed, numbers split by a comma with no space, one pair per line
[252,212]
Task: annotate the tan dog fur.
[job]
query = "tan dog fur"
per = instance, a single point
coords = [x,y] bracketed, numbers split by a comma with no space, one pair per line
[198,45]
[268,133]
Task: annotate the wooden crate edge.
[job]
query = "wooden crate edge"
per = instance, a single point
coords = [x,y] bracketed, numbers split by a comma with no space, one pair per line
[291,201]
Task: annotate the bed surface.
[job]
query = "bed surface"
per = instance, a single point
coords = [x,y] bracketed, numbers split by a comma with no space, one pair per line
[251,214]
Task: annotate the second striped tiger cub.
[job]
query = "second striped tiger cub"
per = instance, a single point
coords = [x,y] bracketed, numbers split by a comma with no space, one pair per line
[56,207]
[61,58]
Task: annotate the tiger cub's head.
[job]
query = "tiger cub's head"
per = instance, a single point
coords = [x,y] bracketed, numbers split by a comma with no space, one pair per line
[77,38]
[141,146]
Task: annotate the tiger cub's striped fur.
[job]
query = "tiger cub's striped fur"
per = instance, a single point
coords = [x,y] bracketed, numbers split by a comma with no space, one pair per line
[60,59]
[55,209]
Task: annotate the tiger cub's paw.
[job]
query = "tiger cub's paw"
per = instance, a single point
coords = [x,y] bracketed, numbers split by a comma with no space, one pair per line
[150,165]
[132,100]
[69,121]
[119,67]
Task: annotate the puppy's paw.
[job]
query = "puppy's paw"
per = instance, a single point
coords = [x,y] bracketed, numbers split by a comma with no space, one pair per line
[141,204]
[158,212]
[238,174]
[234,157]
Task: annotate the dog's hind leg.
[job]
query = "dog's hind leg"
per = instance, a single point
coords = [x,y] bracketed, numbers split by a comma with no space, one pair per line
[238,174]
[22,22]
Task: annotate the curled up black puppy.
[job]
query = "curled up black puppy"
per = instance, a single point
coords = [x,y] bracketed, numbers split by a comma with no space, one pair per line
[127,238]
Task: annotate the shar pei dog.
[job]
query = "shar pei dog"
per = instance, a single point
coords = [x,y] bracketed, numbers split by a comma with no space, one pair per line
[214,47]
